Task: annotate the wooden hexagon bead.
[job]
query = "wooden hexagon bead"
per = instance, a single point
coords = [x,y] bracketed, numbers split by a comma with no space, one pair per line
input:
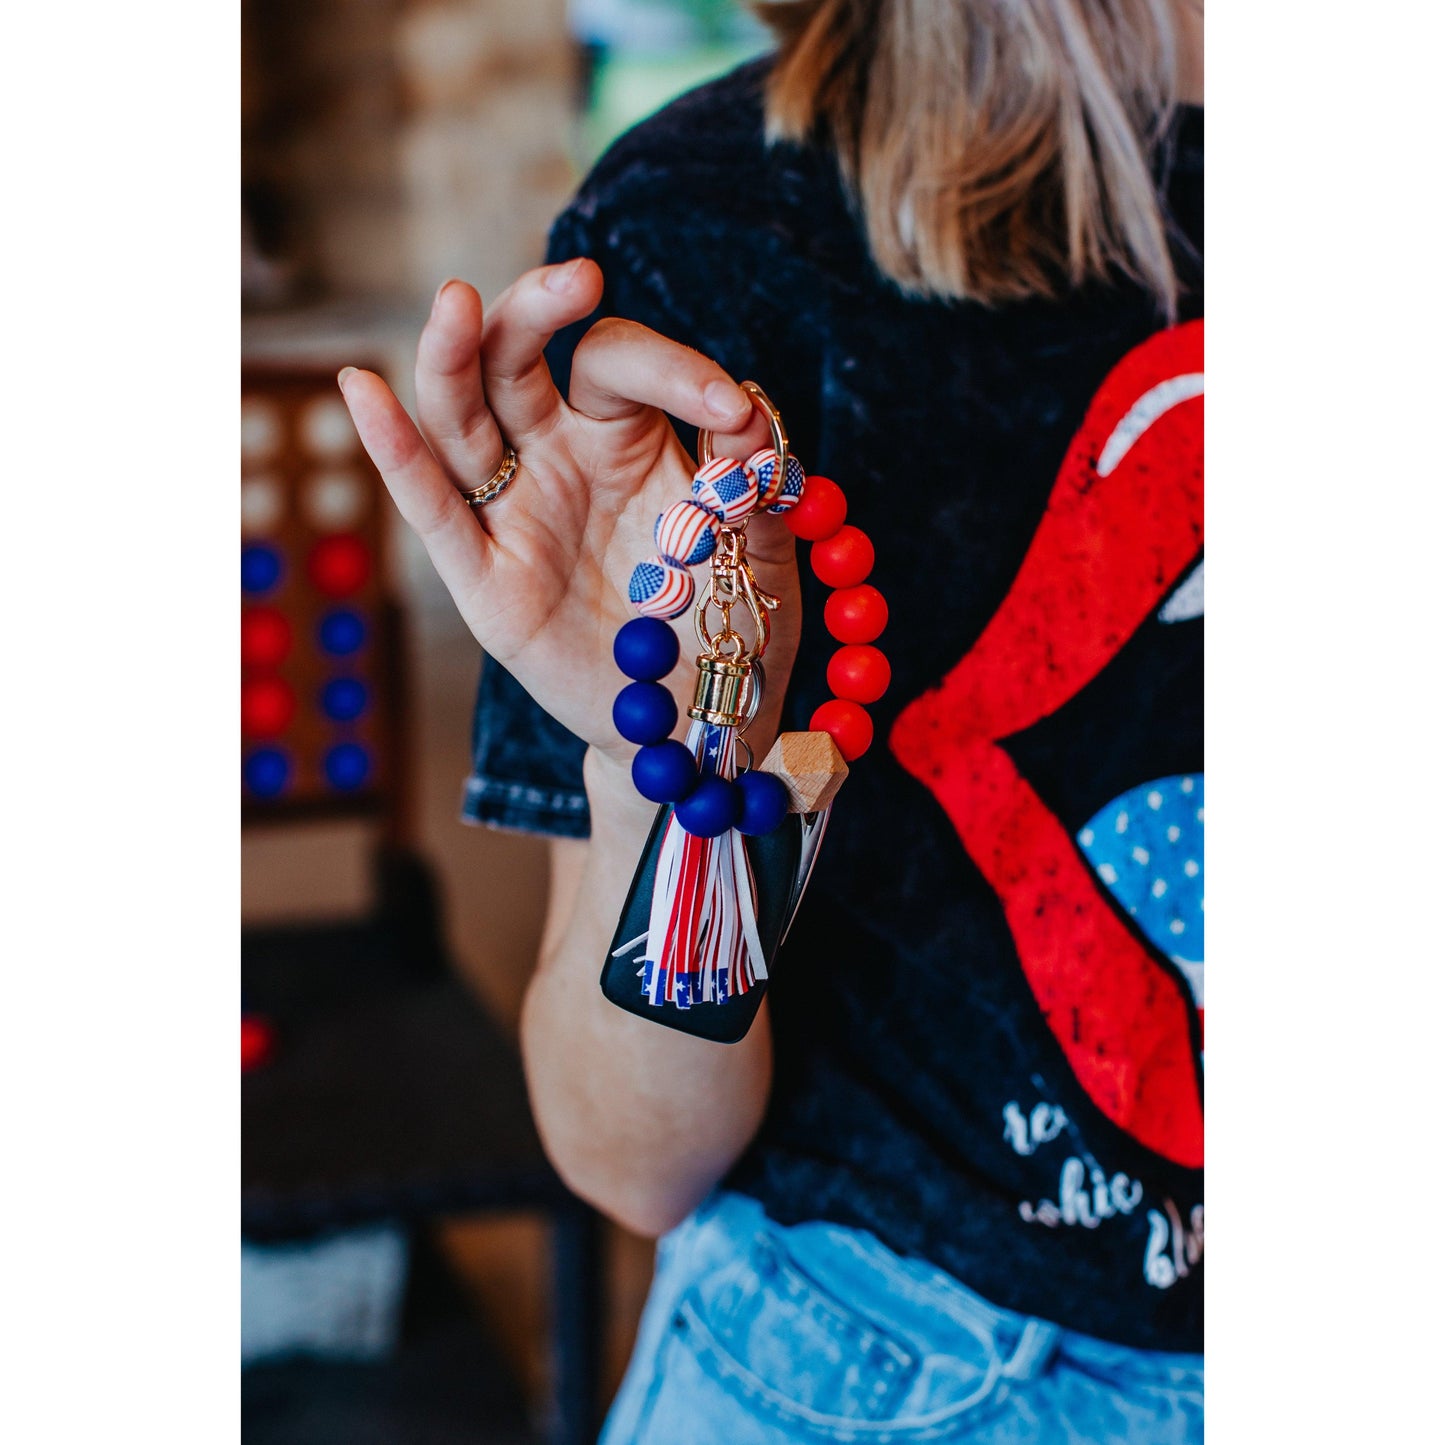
[809,766]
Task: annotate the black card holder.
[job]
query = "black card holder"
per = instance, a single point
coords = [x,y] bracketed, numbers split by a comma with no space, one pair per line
[777,859]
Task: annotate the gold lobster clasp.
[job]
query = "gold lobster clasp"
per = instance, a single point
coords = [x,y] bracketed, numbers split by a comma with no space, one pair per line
[727,692]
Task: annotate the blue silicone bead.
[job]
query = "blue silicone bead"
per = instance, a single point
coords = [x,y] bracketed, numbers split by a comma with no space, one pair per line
[711,808]
[646,649]
[665,772]
[765,802]
[644,712]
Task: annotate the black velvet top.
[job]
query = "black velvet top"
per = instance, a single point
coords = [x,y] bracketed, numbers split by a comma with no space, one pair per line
[988,1016]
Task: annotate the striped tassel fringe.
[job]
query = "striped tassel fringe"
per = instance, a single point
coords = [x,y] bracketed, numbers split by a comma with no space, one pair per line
[702,939]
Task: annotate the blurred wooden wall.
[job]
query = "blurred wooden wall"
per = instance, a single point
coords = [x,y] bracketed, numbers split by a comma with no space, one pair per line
[389,145]
[395,143]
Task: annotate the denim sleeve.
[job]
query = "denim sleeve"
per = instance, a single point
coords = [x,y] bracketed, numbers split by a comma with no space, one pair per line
[527,770]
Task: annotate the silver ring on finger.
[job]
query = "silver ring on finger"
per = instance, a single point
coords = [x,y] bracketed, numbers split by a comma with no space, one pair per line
[497,483]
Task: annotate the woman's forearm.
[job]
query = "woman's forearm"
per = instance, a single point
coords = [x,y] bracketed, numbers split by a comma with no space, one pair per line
[639,1119]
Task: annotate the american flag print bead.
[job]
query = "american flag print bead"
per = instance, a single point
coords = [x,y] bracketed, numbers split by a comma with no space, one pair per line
[686,534]
[659,588]
[764,465]
[727,488]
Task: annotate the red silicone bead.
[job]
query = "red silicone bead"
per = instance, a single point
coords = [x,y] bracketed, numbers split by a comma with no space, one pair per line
[859,673]
[845,559]
[819,511]
[856,614]
[265,637]
[847,723]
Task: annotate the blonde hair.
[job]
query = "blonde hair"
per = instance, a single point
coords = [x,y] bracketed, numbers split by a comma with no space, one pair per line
[997,148]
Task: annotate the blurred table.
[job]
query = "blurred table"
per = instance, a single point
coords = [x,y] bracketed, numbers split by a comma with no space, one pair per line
[392,1096]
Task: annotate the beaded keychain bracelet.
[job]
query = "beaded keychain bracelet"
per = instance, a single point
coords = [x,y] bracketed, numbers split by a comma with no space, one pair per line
[731,851]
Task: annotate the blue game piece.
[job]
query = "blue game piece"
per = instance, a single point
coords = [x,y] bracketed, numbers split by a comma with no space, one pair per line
[645,649]
[664,773]
[267,771]
[765,802]
[711,808]
[347,766]
[341,633]
[644,712]
[343,699]
[260,568]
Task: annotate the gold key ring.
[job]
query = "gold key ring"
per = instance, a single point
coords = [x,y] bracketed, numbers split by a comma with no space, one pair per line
[759,399]
[730,568]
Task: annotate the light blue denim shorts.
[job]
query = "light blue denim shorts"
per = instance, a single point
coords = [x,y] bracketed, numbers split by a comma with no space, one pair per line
[758,1334]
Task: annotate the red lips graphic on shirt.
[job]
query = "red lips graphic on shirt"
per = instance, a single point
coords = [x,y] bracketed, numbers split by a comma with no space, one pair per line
[1123,522]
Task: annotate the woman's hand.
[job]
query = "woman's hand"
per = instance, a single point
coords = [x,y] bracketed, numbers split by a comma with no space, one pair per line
[540,575]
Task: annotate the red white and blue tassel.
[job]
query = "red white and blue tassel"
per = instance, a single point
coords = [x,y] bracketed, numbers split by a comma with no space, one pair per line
[702,941]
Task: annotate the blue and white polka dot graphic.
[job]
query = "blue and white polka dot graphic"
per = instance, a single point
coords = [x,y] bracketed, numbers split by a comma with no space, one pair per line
[1147,847]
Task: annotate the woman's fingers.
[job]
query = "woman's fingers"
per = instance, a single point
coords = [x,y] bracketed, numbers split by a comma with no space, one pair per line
[744,439]
[520,323]
[423,494]
[450,401]
[621,367]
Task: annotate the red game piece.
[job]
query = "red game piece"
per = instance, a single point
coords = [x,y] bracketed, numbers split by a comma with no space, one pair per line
[258,1041]
[265,637]
[267,707]
[339,565]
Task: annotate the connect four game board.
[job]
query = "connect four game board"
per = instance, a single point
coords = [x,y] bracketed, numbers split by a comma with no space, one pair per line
[315,721]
